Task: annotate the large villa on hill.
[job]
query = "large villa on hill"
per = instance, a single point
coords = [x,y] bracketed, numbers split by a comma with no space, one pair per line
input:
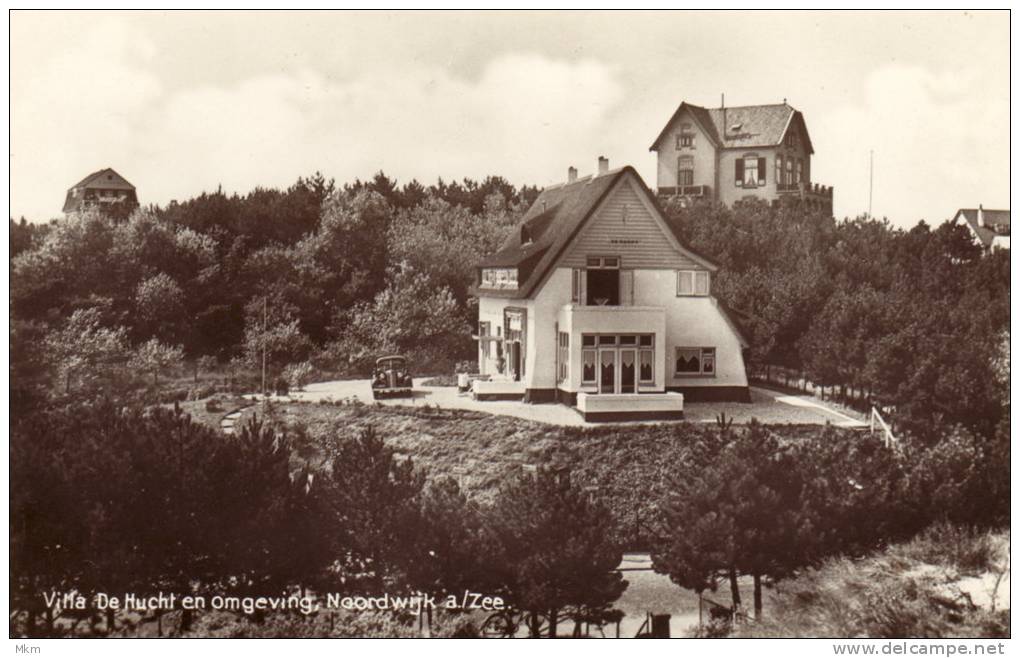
[730,154]
[593,302]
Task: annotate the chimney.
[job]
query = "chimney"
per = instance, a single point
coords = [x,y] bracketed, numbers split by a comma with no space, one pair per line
[603,165]
[981,215]
[571,174]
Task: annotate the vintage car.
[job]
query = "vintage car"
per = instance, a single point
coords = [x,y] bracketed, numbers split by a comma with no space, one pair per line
[391,377]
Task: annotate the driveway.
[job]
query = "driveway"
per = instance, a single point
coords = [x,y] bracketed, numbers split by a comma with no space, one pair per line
[766,405]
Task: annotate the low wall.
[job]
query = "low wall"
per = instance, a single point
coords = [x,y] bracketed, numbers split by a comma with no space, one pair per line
[630,406]
[498,390]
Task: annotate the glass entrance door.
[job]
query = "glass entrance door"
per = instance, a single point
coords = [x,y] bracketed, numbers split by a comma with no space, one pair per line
[607,371]
[628,371]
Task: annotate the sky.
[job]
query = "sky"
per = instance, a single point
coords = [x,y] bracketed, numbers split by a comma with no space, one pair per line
[184,102]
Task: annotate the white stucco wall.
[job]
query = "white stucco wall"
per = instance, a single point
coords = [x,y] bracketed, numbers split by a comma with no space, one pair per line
[542,317]
[691,322]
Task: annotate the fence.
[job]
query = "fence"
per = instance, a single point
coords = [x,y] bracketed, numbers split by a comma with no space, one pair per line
[855,397]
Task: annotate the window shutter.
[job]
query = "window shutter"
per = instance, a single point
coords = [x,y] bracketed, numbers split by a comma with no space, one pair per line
[761,171]
[739,178]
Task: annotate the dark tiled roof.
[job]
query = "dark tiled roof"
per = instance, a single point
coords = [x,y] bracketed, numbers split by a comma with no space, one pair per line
[106,179]
[992,219]
[549,226]
[741,127]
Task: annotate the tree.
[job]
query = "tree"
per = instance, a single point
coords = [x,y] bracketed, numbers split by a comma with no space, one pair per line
[154,357]
[273,334]
[411,317]
[206,364]
[85,349]
[159,303]
[742,514]
[554,553]
[373,499]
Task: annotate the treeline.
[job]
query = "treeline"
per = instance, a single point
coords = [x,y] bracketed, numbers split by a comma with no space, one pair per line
[915,320]
[751,503]
[315,275]
[322,278]
[108,500]
[112,499]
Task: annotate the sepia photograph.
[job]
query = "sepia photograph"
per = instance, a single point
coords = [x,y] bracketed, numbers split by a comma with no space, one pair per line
[510,324]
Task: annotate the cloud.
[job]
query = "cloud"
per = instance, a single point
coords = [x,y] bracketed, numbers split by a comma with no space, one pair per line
[516,118]
[935,142]
[79,109]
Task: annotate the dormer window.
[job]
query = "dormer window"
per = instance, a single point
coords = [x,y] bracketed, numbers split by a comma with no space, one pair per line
[499,278]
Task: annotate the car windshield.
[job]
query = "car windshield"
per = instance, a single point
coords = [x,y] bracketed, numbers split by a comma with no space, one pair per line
[390,364]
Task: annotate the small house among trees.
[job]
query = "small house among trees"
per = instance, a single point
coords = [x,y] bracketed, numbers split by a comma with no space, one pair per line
[105,190]
[989,228]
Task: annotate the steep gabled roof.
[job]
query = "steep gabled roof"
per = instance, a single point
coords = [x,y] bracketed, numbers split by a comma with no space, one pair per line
[745,126]
[106,179]
[550,225]
[992,218]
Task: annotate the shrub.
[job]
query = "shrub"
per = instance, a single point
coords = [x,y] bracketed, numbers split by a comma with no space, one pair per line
[969,551]
[298,374]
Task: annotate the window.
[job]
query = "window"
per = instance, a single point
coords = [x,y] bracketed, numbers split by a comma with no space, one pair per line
[789,170]
[779,169]
[685,171]
[695,361]
[701,283]
[633,353]
[588,366]
[686,137]
[750,171]
[564,357]
[499,277]
[575,286]
[800,171]
[602,281]
[647,368]
[692,282]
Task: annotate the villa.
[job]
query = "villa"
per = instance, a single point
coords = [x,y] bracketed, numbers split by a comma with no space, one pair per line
[593,302]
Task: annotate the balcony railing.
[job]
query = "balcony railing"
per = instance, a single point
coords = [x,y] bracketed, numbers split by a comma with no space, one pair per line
[805,189]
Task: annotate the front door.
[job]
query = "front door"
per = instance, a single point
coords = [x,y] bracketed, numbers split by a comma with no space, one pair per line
[607,371]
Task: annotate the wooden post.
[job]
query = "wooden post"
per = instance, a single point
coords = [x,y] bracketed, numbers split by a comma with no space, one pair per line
[265,327]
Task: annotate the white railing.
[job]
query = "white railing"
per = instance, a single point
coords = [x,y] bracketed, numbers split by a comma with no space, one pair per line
[876,420]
